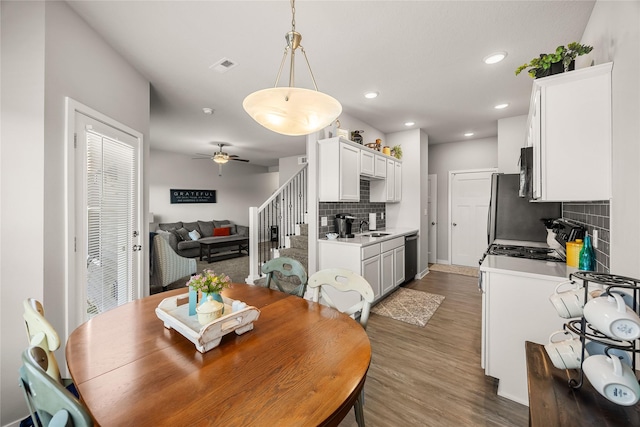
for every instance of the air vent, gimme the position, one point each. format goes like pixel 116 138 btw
pixel 302 160
pixel 223 65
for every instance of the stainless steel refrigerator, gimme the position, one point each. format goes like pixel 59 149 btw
pixel 515 218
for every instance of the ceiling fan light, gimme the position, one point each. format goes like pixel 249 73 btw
pixel 292 111
pixel 220 158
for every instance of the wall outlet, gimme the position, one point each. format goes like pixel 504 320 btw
pixel 323 221
pixel 382 215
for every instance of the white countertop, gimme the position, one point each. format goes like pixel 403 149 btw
pixel 526 267
pixel 361 239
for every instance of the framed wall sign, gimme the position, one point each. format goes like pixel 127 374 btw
pixel 192 196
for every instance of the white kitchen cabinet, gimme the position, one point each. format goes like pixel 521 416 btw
pixel 569 127
pixel 388 276
pixel 515 309
pixel 389 189
pixel 367 163
pixel 381 264
pixel 371 272
pixel 372 165
pixel 380 166
pixel 343 156
pixel 398 265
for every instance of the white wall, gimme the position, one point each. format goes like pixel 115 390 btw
pixel 370 133
pixel 614 32
pixel 406 214
pixel 48 53
pixel 288 167
pixel 241 186
pixel 511 138
pixel 464 155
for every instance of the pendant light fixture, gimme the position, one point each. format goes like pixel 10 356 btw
pixel 290 110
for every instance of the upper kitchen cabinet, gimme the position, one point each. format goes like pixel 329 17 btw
pixel 390 189
pixel 341 156
pixel 569 127
pixel 372 165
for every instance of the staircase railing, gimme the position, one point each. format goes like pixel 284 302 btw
pixel 271 224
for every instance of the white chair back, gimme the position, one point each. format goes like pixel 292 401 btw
pixel 42 334
pixel 343 280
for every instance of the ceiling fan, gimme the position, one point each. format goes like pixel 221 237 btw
pixel 221 157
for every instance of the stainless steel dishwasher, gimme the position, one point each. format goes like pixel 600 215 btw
pixel 410 257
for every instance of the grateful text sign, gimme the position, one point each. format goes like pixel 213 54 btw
pixel 193 196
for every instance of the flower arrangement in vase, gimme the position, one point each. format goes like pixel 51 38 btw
pixel 209 283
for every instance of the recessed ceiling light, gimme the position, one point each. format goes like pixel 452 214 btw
pixel 207 110
pixel 468 134
pixel 371 95
pixel 494 57
pixel 501 106
pixel 409 123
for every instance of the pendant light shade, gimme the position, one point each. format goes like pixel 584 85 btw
pixel 290 110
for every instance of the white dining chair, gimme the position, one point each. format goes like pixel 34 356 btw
pixel 344 280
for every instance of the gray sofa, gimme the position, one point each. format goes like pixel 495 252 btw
pixel 184 245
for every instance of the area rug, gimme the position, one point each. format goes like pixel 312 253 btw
pixel 455 269
pixel 409 306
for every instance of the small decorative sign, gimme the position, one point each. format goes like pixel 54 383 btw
pixel 192 196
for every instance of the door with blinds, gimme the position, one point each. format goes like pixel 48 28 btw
pixel 107 219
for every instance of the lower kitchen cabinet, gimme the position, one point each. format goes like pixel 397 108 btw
pixel 371 271
pixel 381 264
pixel 515 309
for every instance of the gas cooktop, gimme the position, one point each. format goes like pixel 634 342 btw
pixel 528 252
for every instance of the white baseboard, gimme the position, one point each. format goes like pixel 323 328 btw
pixel 422 273
pixel 443 261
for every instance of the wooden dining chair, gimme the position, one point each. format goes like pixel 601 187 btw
pixel 344 280
pixel 50 404
pixel 286 267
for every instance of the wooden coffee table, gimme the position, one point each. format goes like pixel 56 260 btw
pixel 208 243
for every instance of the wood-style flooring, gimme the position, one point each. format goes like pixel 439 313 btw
pixel 431 376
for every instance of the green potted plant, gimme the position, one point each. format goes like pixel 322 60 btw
pixel 396 152
pixel 557 62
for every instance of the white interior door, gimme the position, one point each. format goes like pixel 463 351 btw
pixel 470 193
pixel 106 219
pixel 432 217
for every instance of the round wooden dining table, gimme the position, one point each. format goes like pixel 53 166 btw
pixel 302 364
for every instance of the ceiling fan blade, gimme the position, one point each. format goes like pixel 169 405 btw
pixel 240 160
pixel 201 158
pixel 208 156
pixel 233 155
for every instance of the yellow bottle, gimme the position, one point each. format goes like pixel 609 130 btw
pixel 573 253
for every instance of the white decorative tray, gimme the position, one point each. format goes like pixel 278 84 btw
pixel 174 312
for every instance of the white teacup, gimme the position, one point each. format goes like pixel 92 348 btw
pixel 595 347
pixel 569 303
pixel 566 353
pixel 611 316
pixel 612 379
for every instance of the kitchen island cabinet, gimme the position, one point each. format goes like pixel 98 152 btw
pixel 515 309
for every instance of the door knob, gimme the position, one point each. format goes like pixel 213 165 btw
pixel 454 224
pixel 433 223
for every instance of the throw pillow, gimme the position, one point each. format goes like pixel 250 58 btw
pixel 231 227
pixel 164 234
pixel 222 231
pixel 206 227
pixel 184 233
pixel 175 233
pixel 194 235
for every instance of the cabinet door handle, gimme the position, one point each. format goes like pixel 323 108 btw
pixel 433 223
pixel 454 224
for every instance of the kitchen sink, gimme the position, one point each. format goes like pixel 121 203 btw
pixel 375 234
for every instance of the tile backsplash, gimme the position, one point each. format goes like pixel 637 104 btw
pixel 360 210
pixel 594 216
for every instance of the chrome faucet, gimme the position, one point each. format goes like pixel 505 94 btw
pixel 362 223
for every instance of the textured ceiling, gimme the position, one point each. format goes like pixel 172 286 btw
pixel 424 57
